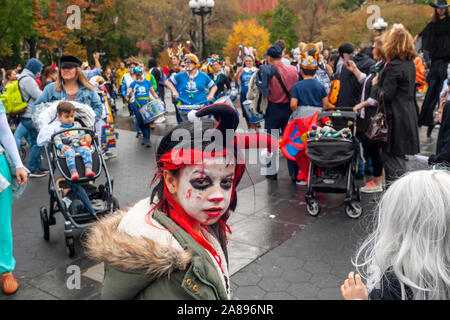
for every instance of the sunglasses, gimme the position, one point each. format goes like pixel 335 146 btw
pixel 189 62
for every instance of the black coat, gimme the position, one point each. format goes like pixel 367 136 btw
pixel 351 89
pixel 389 288
pixel 397 83
pixel 443 143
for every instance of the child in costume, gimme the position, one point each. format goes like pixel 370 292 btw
pixel 173 245
pixel 71 142
pixel 308 97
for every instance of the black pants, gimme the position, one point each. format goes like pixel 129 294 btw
pixel 437 76
pixel 373 150
pixel 394 166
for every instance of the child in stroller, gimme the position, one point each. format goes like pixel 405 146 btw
pixel 74 141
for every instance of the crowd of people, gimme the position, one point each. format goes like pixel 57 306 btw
pixel 190 204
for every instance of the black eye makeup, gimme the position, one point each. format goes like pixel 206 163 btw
pixel 201 183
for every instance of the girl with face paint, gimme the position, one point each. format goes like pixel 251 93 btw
pixel 173 245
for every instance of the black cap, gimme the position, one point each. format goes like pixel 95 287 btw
pixel 274 52
pixel 69 61
pixel 346 48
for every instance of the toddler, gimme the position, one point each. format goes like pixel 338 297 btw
pixel 71 142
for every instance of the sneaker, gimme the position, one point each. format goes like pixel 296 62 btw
pixel 89 172
pixel 74 176
pixel 138 135
pixel 38 174
pixel 301 182
pixel 371 187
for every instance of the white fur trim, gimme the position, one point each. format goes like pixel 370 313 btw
pixel 134 224
pixel 265 154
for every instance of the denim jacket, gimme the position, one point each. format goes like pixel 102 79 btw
pixel 84 95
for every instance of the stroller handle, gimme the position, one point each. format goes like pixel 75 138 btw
pixel 338 109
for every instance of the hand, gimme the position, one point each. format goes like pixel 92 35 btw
pixel 108 119
pixel 375 80
pixel 175 94
pixel 351 65
pixel 96 55
pixel 357 107
pixel 210 97
pixel 438 118
pixel 22 175
pixel 353 288
pixel 65 148
pixel 88 139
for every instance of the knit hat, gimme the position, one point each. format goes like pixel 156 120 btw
pixel 34 65
pixel 309 63
pixel 346 48
pixel 274 52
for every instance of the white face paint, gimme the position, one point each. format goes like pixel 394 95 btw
pixel 204 191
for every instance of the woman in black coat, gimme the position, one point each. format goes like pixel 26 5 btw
pixel 397 84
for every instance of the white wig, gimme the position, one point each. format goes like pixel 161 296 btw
pixel 411 236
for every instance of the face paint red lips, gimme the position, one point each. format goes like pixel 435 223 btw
pixel 213 212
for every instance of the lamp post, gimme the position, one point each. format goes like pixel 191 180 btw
pixel 380 25
pixel 202 8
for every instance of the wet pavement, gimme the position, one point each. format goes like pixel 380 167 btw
pixel 277 250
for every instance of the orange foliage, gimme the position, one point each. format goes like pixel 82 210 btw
pixel 247 33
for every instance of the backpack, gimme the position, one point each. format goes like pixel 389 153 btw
pixel 12 98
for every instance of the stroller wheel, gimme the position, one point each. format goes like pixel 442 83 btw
pixel 353 209
pixel 313 207
pixel 45 223
pixel 70 246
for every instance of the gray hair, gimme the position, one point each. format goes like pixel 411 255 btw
pixel 411 236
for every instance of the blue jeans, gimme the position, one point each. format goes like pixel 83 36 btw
pixel 20 132
pixel 145 128
pixel 133 110
pixel 34 163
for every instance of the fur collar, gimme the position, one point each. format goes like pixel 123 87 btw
pixel 117 241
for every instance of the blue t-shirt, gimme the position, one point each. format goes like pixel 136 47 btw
pixel 192 91
pixel 309 92
pixel 142 91
pixel 245 80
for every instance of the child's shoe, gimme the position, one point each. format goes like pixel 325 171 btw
pixel 89 172
pixel 74 175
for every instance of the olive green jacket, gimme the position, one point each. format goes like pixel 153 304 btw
pixel 162 265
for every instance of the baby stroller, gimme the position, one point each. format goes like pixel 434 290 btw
pixel 334 163
pixel 80 202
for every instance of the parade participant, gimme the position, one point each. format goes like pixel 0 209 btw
pixel 50 75
pixel 406 256
pixel 127 79
pixel 220 79
pixel 31 93
pixel 243 76
pixel 280 86
pixel 442 155
pixel 366 110
pixel 71 142
pixel 71 85
pixel 396 86
pixel 192 85
pixel 141 89
pixel 120 73
pixel 173 245
pixel 308 97
pixel 436 40
pixel 7 261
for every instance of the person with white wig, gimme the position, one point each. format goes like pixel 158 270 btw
pixel 407 256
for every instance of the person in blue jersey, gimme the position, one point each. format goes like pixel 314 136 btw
pixel 192 86
pixel 141 89
pixel 243 76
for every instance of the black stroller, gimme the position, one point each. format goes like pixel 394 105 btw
pixel 334 163
pixel 72 198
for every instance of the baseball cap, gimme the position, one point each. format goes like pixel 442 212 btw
pixel 274 52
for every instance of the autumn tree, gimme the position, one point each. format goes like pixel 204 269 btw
pixel 247 33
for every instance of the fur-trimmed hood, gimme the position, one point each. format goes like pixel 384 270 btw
pixel 125 241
